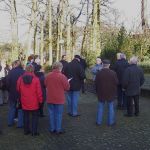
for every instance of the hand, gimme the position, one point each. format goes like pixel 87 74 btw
pixel 69 79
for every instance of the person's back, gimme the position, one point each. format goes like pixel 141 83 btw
pixel 56 86
pixel 133 80
pixel 76 72
pixel 106 84
pixel 11 82
pixel 30 91
pixel 120 67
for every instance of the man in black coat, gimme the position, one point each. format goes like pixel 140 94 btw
pixel 75 73
pixel 11 82
pixel 133 79
pixel 119 67
pixel 64 62
pixel 84 66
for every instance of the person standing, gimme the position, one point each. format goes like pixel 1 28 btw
pixel 56 84
pixel 11 83
pixel 40 74
pixel 119 67
pixel 106 88
pixel 75 73
pixel 64 62
pixel 84 66
pixel 97 67
pixel 28 85
pixel 133 79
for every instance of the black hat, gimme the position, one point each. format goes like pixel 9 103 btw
pixel 77 56
pixel 106 61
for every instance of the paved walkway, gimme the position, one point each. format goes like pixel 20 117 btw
pixel 82 133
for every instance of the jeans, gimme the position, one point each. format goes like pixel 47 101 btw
pixel 20 118
pixel 130 100
pixel 111 113
pixel 72 102
pixel 11 113
pixel 55 117
pixel 27 114
pixel 121 97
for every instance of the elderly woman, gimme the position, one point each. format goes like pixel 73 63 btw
pixel 30 91
pixel 56 85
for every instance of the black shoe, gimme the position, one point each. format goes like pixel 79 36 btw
pixel 136 114
pixel 27 133
pixel 60 132
pixel 69 114
pixel 76 115
pixel 35 134
pixel 127 115
pixel 112 125
pixel 98 124
pixel 52 132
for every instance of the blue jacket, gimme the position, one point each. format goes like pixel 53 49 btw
pixel 11 82
pixel 95 70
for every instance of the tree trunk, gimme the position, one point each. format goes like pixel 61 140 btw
pixel 60 41
pixel 14 29
pixel 50 32
pixel 42 41
pixel 96 28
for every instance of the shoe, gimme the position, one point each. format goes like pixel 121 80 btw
pixel 127 115
pixel 35 134
pixel 69 114
pixel 60 132
pixel 112 125
pixel 52 132
pixel 97 124
pixel 136 114
pixel 76 115
pixel 27 133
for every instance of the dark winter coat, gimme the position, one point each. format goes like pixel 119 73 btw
pixel 133 79
pixel 106 85
pixel 64 63
pixel 11 82
pixel 41 77
pixel 119 68
pixel 75 71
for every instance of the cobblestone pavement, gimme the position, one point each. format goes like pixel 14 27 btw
pixel 82 133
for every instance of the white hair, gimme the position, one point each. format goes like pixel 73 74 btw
pixel 134 60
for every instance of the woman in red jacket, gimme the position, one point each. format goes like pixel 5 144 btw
pixel 30 91
pixel 56 85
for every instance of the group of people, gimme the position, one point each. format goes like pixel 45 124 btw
pixel 123 80
pixel 30 88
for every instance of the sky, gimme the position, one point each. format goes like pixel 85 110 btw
pixel 129 15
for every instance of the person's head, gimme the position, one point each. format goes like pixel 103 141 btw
pixel 16 63
pixel 133 60
pixel 30 68
pixel 122 56
pixel 30 59
pixel 118 56
pixel 64 57
pixel 77 57
pixel 57 65
pixel 37 61
pixel 98 61
pixel 106 63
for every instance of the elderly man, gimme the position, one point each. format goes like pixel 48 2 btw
pixel 97 67
pixel 119 67
pixel 106 88
pixel 133 79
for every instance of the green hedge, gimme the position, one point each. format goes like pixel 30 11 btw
pixel 145 66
